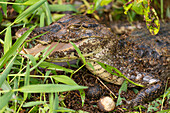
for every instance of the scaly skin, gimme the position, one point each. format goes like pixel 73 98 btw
pixel 141 57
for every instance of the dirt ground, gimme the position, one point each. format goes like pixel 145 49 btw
pixel 84 77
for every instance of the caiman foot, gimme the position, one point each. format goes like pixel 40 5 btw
pixel 147 94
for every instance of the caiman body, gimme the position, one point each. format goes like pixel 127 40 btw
pixel 141 57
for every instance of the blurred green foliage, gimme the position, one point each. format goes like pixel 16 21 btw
pixel 17 76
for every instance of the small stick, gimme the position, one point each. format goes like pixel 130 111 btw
pixel 106 87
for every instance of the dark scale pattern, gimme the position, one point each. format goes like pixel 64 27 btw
pixel 70 27
pixel 148 94
pixel 144 59
pixel 140 57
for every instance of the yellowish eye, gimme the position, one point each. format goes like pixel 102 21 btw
pixel 75 26
pixel 90 25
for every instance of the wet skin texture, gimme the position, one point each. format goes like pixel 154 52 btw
pixel 141 57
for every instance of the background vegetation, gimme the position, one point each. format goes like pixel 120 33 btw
pixel 24 88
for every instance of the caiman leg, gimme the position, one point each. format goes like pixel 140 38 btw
pixel 148 94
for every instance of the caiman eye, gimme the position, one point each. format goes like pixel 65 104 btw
pixel 90 25
pixel 75 26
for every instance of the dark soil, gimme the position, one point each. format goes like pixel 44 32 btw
pixel 85 78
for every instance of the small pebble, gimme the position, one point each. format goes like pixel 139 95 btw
pixel 106 104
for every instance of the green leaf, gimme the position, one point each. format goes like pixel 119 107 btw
pixel 97 3
pixel 135 90
pixel 31 58
pixel 62 109
pixel 33 103
pixel 164 111
pixel 67 80
pixel 30 2
pixel 29 11
pixel 90 65
pixel 13 49
pixel 141 7
pixel 167 92
pixel 44 57
pixel 8 40
pixel 5 98
pixel 79 52
pixel 127 6
pixel 54 67
pixel 59 8
pixel 46 75
pixel 51 101
pixel 138 7
pixel 6 86
pixel 49 88
pixel 82 94
pixel 56 103
pixel 1 17
pixel 47 12
pixel 152 20
pixel 64 79
pixel 111 70
pixel 6 71
pixel 92 8
pixel 27 79
pixel 122 88
pixel 42 18
pixel 4 7
pixel 105 2
pixel 19 8
pixel 56 16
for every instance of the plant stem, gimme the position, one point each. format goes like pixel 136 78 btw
pixel 162 10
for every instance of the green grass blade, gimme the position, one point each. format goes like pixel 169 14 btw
pixel 1 41
pixel 49 88
pixel 31 58
pixel 67 80
pixel 4 7
pixel 66 110
pixel 54 67
pixel 27 79
pixel 1 17
pixel 51 101
pixel 42 18
pixel 30 2
pixel 79 52
pixel 6 86
pixel 8 40
pixel 64 79
pixel 18 6
pixel 56 103
pixel 110 69
pixel 14 48
pixel 48 53
pixel 123 88
pixel 5 98
pixel 33 103
pixel 68 7
pixel 6 71
pixel 47 12
pixel 29 11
